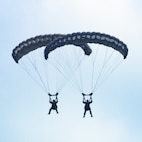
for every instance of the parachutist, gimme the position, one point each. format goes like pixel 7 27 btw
pixel 53 103
pixel 87 104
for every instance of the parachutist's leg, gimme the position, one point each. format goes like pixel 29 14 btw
pixel 50 110
pixel 84 113
pixel 57 111
pixel 91 113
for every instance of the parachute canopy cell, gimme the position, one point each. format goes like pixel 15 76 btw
pixel 81 39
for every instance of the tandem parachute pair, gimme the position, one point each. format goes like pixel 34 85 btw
pixel 85 59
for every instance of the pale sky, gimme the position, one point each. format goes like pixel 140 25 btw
pixel 117 104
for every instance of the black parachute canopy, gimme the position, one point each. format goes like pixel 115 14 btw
pixel 81 39
pixel 32 44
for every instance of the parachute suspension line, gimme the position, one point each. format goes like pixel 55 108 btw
pixel 33 63
pixel 106 61
pixel 113 65
pixel 94 61
pixel 61 87
pixel 56 81
pixel 42 82
pixel 46 75
pixel 78 64
pixel 101 71
pixel 24 67
pixel 60 68
pixel 58 88
pixel 110 72
pixel 61 72
pixel 79 59
pixel 81 80
pixel 78 87
pixel 44 65
pixel 53 64
pixel 64 72
pixel 106 72
pixel 39 75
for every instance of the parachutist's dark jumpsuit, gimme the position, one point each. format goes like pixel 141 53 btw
pixel 54 105
pixel 87 106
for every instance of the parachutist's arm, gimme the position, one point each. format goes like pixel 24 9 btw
pixel 83 99
pixel 91 99
pixel 90 94
pixel 56 99
pixel 50 100
pixel 49 97
pixel 83 94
